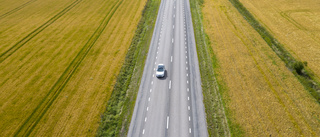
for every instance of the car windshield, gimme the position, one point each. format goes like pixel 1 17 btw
pixel 160 68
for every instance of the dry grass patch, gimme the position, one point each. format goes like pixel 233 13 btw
pixel 263 96
pixel 29 74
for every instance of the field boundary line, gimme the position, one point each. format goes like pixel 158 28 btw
pixel 35 32
pixel 29 124
pixel 16 9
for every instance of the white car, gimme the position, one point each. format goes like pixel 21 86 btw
pixel 160 71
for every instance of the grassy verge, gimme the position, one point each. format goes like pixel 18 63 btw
pixel 219 117
pixel 116 119
pixel 298 68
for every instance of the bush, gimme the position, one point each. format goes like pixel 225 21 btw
pixel 298 66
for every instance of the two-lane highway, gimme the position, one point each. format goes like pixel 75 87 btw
pixel 171 106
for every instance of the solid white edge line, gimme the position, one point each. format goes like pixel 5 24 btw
pixel 167 122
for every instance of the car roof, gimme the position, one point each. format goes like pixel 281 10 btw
pixel 160 65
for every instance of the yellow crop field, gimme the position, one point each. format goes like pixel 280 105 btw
pixel 263 96
pixel 295 23
pixel 59 60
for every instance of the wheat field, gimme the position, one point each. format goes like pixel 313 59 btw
pixel 59 61
pixel 263 96
pixel 295 23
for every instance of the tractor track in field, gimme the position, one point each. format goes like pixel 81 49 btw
pixel 26 39
pixel 31 122
pixel 16 9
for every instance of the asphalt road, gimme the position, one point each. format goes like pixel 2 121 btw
pixel 171 106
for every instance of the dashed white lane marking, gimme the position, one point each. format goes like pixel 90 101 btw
pixel 157 52
pixel 145 119
pixel 171 58
pixel 189 118
pixel 186 68
pixel 174 7
pixel 151 82
pixel 186 52
pixel 155 62
pixel 187 82
pixel 143 131
pixel 172 40
pixel 154 69
pixel 147 108
pixel 188 98
pixel 150 90
pixel 174 16
pixel 170 84
pixel 167 122
pixel 185 43
pixel 158 47
pixel 153 75
pixel 159 42
pixel 188 89
pixel 156 57
pixel 149 99
pixel 173 26
pixel 187 75
pixel 190 130
pixel 188 107
pixel 186 56
pixel 186 62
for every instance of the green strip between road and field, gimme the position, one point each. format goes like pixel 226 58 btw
pixel 115 121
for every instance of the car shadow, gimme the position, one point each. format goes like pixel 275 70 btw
pixel 165 76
